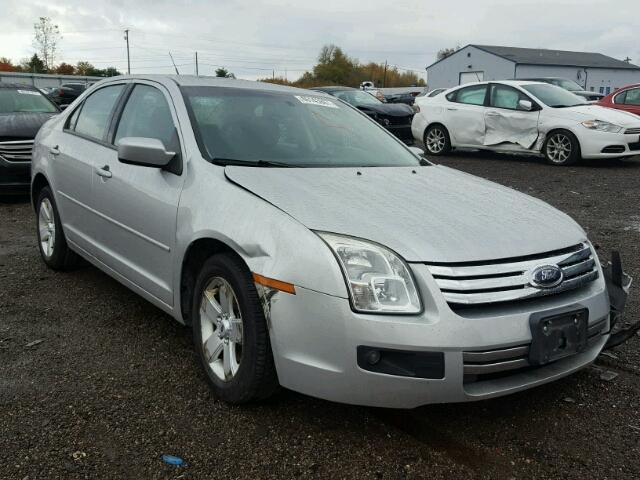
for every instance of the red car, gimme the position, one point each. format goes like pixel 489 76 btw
pixel 626 98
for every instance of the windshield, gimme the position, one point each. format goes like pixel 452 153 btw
pixel 14 100
pixel 356 97
pixel 553 96
pixel 567 85
pixel 238 125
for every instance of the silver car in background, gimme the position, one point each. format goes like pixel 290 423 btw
pixel 309 248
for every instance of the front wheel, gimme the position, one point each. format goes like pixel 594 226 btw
pixel 230 332
pixel 561 148
pixel 436 140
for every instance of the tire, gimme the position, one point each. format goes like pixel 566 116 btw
pixel 52 244
pixel 437 141
pixel 561 148
pixel 237 339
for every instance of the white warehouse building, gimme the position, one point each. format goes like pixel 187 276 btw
pixel 593 71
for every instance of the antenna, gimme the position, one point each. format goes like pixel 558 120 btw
pixel 174 64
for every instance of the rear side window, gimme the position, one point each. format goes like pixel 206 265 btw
pixel 147 114
pixel 94 117
pixel 470 95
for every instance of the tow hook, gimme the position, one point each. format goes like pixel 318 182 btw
pixel 618 284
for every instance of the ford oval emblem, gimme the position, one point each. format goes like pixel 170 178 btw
pixel 546 276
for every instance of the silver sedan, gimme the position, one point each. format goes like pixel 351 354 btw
pixel 310 249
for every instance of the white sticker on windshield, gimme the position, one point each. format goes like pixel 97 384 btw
pixel 318 101
pixel 28 92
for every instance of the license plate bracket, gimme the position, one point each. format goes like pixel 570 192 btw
pixel 558 335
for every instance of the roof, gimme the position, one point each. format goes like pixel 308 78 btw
pixel 23 86
pixel 204 81
pixel 539 56
pixel 332 89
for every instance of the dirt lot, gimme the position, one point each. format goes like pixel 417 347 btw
pixel 115 383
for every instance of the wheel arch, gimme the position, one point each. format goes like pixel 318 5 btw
pixel 37 184
pixel 196 253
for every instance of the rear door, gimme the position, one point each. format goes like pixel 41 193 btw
pixel 74 152
pixel 506 122
pixel 137 206
pixel 464 115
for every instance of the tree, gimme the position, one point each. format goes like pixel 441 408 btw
pixel 45 40
pixel 445 52
pixel 6 65
pixel 33 65
pixel 65 69
pixel 85 68
pixel 110 72
pixel 224 73
pixel 334 67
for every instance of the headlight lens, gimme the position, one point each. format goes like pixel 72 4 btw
pixel 602 126
pixel 379 281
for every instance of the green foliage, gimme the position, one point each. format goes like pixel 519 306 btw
pixel 224 73
pixel 334 67
pixel 33 65
pixel 445 52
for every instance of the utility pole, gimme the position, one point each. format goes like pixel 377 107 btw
pixel 174 64
pixel 197 64
pixel 384 78
pixel 126 37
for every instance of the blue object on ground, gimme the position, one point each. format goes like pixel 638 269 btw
pixel 172 460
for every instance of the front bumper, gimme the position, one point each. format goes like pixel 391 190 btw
pixel 608 145
pixel 15 177
pixel 315 339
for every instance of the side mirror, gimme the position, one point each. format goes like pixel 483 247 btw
pixel 145 152
pixel 525 105
pixel 417 150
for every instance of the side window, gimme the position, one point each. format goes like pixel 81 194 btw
pixel 472 95
pixel 506 97
pixel 71 123
pixel 93 119
pixel 620 98
pixel 632 97
pixel 147 114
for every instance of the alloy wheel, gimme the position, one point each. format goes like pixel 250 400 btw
pixel 221 329
pixel 46 228
pixel 559 148
pixel 435 140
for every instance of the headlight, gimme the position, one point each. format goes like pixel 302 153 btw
pixel 378 280
pixel 602 126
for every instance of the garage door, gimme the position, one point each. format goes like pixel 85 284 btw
pixel 468 77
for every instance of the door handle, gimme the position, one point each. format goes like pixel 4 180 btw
pixel 493 114
pixel 451 109
pixel 104 172
pixel 54 150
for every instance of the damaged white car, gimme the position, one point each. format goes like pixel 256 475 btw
pixel 525 117
pixel 308 247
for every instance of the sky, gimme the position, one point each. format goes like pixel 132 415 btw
pixel 256 39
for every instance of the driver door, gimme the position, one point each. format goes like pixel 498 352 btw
pixel 507 122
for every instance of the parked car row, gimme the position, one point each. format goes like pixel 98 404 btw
pixel 23 110
pixel 395 117
pixel 521 116
pixel 393 287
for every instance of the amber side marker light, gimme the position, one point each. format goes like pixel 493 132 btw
pixel 273 283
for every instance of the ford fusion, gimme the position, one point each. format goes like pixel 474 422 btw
pixel 309 248
pixel 525 117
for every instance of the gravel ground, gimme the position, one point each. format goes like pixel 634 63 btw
pixel 114 383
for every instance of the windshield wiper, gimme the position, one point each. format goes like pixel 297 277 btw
pixel 253 163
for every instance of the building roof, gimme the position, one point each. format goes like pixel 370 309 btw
pixel 539 56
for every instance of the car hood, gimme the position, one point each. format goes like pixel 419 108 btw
pixel 22 125
pixel 436 214
pixel 389 109
pixel 596 112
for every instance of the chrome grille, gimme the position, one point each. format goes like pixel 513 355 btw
pixel 511 280
pixel 632 131
pixel 16 151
